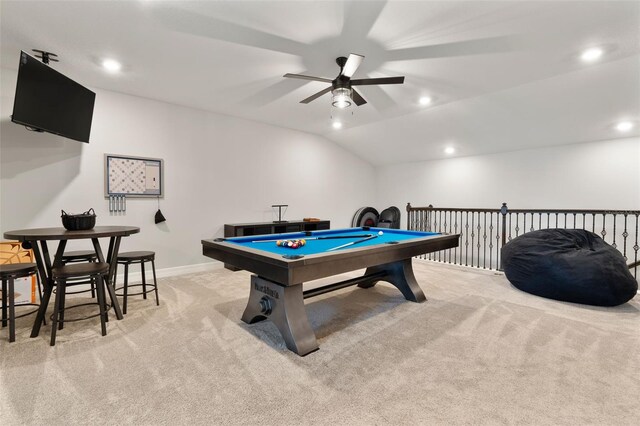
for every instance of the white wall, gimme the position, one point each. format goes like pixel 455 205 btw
pixel 597 175
pixel 218 169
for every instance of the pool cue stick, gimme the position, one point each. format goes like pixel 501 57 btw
pixel 316 238
pixel 370 237
pixel 334 237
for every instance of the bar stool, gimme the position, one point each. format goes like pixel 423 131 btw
pixel 79 256
pixel 66 275
pixel 8 274
pixel 132 258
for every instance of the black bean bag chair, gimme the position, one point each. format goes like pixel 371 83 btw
pixel 572 265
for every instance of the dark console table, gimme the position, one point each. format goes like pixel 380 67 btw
pixel 262 228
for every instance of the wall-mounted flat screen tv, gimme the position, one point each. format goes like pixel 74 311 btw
pixel 46 100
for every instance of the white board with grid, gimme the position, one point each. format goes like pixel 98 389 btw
pixel 133 176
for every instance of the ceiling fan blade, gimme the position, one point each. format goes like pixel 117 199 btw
pixel 481 46
pixel 352 64
pixel 359 100
pixel 384 80
pixel 316 96
pixel 307 77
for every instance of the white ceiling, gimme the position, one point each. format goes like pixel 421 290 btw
pixel 503 75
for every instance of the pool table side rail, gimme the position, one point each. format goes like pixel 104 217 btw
pixel 291 272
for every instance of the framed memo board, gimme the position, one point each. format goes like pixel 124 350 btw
pixel 133 176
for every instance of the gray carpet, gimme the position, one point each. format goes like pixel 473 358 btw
pixel 477 352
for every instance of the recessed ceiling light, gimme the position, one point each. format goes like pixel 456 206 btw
pixel 624 126
pixel 449 150
pixel 337 125
pixel 111 65
pixel 592 54
pixel 425 100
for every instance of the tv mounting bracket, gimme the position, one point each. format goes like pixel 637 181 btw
pixel 46 56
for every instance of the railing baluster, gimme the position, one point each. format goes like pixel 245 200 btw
pixel 613 243
pixel 478 244
pixel 635 249
pixel 625 234
pixel 455 231
pixel 440 230
pixel 466 239
pixel 490 240
pixel 484 243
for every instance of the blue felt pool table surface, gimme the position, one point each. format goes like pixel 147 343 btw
pixel 316 246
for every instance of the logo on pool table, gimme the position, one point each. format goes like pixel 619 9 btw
pixel 266 290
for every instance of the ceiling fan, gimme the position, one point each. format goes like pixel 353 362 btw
pixel 342 92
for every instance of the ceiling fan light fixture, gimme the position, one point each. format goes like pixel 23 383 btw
pixel 341 97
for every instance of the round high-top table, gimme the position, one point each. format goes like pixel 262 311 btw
pixel 37 238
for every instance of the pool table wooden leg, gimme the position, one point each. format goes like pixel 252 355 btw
pixel 400 274
pixel 284 306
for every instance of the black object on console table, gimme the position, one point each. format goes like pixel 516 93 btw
pixel 263 228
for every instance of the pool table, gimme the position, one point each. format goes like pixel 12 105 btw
pixel 279 272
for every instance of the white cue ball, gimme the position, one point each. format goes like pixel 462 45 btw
pixel 380 233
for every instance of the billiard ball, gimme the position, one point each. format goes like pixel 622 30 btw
pixel 380 233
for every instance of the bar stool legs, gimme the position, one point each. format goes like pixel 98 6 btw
pixel 7 293
pixel 102 304
pixel 67 275
pixel 138 257
pixel 126 287
pixel 155 282
pixel 8 274
pixel 4 303
pixel 56 310
pixel 12 311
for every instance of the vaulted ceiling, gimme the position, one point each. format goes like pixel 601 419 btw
pixel 502 76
